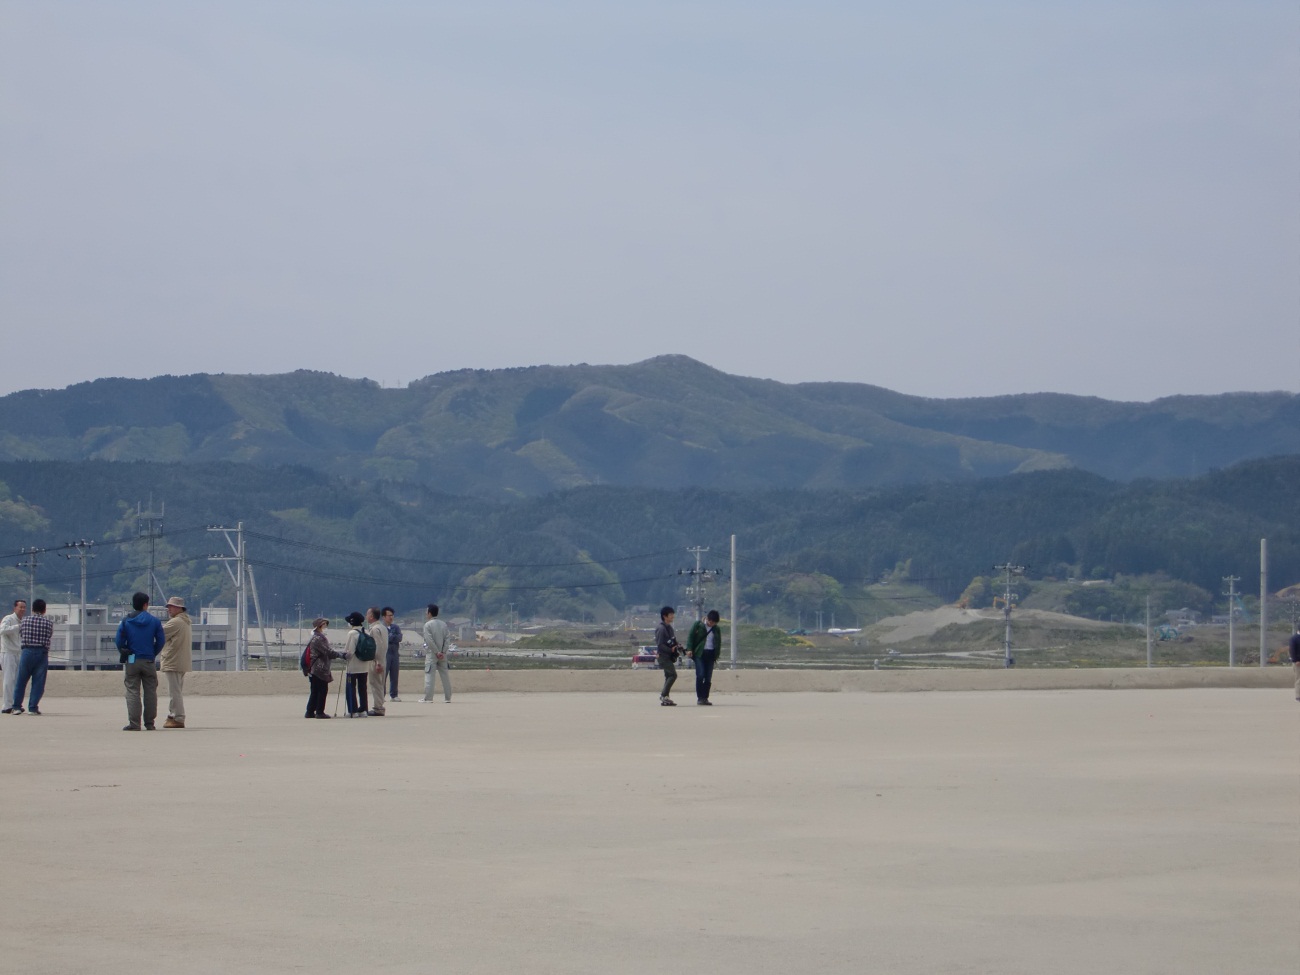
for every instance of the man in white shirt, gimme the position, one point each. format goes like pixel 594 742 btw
pixel 379 633
pixel 11 651
pixel 436 639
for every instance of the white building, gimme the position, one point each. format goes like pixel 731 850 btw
pixel 213 645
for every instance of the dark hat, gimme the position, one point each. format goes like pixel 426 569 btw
pixel 354 618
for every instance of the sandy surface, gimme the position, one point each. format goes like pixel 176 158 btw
pixel 928 622
pixel 745 681
pixel 999 832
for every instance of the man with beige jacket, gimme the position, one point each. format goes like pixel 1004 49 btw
pixel 176 659
pixel 379 633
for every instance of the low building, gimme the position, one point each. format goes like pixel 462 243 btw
pixel 213 645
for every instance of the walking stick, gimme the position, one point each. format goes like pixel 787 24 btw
pixel 339 694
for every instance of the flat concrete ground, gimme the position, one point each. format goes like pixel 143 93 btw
pixel 1000 832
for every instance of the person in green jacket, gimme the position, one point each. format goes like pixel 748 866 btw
pixel 705 646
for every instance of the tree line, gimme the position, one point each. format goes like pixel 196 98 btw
pixel 330 543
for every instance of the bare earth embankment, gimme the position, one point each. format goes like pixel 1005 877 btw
pixel 1029 831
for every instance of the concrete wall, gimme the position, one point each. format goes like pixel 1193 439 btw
pixel 109 683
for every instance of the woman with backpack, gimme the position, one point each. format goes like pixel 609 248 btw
pixel 319 653
pixel 358 667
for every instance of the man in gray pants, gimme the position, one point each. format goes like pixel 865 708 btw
pixel 139 640
pixel 667 650
pixel 436 639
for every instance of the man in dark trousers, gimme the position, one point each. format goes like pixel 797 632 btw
pixel 393 660
pixel 1295 659
pixel 667 649
pixel 35 633
pixel 139 640
pixel 705 646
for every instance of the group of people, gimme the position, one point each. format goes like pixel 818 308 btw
pixel 703 645
pixel 148 646
pixel 25 655
pixel 367 663
pixel 145 644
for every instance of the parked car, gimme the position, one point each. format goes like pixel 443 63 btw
pixel 648 657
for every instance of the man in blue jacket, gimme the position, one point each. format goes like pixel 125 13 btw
pixel 139 641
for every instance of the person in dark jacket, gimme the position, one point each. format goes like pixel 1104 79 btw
pixel 139 640
pixel 1295 659
pixel 704 645
pixel 667 649
pixel 393 661
pixel 319 672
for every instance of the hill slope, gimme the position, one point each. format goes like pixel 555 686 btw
pixel 667 422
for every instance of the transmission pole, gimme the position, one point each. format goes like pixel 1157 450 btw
pixel 236 544
pixel 1148 629
pixel 1263 602
pixel 30 563
pixel 1231 582
pixel 735 623
pixel 82 553
pixel 1007 595
pixel 149 525
pixel 695 591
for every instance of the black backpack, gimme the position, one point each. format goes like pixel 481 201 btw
pixel 365 648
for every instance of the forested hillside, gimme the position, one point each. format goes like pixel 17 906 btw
pixel 668 422
pixel 334 544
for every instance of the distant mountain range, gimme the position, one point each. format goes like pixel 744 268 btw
pixel 668 422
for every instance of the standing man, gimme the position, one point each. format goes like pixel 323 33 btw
pixel 139 641
pixel 34 634
pixel 1295 659
pixel 176 659
pixel 436 639
pixel 704 645
pixel 11 649
pixel 667 649
pixel 394 658
pixel 379 633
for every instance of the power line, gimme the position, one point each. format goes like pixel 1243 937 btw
pixel 387 557
pixel 408 584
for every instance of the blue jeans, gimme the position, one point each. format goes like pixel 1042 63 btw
pixel 32 666
pixel 356 693
pixel 703 677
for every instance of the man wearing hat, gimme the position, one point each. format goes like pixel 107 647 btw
pixel 176 659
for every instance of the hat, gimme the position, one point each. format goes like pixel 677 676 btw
pixel 318 622
pixel 177 602
pixel 354 618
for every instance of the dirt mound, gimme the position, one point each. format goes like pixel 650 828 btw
pixel 926 623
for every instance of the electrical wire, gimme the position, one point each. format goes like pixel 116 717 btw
pixel 407 584
pixel 386 557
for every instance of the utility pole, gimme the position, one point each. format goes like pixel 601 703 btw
pixel 734 621
pixel 149 524
pixel 695 591
pixel 30 563
pixel 1263 602
pixel 1009 570
pixel 261 621
pixel 236 544
pixel 1231 582
pixel 1148 629
pixel 82 553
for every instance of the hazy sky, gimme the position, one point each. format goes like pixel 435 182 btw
pixel 943 198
